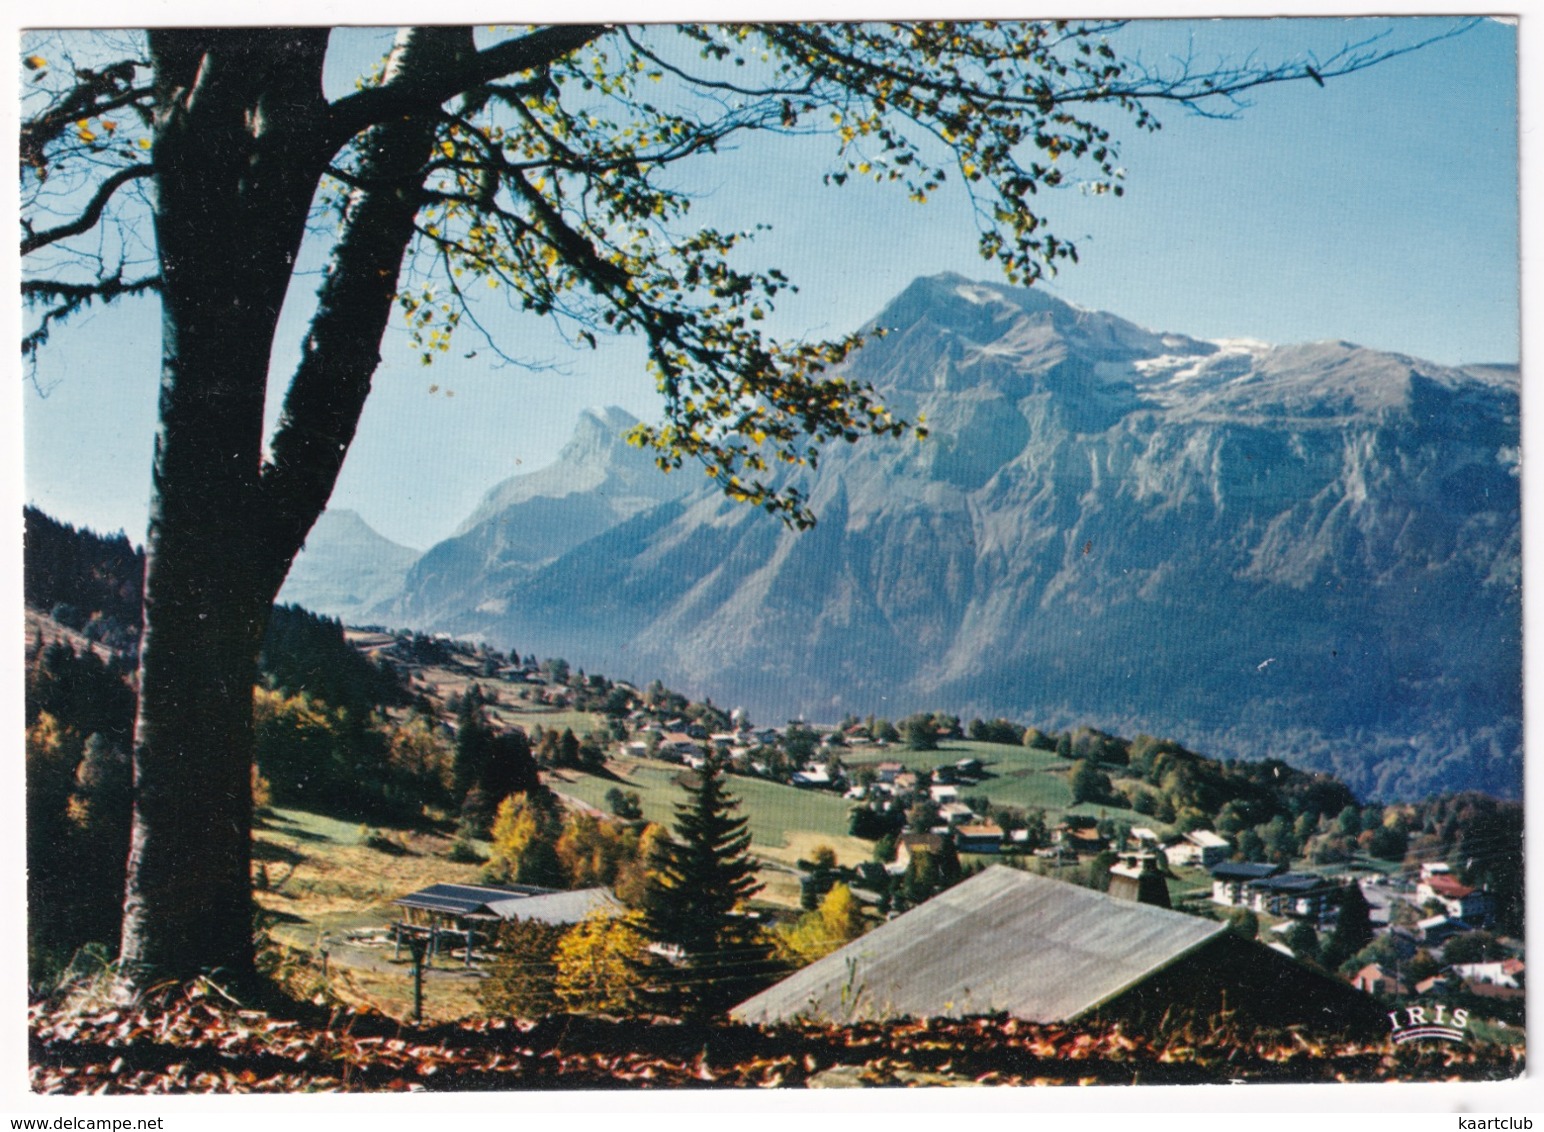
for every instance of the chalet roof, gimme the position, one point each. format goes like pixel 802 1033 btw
pixel 1244 870
pixel 564 907
pixel 1206 839
pixel 1444 885
pixel 1293 883
pixel 980 829
pixel 470 899
pixel 1004 940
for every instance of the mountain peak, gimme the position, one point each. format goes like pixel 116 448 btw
pixel 612 418
pixel 949 333
pixel 595 455
pixel 980 310
pixel 340 524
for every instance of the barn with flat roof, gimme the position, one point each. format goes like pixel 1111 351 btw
pixel 1010 942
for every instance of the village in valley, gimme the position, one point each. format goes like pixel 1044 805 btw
pixel 447 833
pixel 1366 903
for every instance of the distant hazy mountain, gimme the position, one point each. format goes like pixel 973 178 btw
pixel 346 568
pixel 1309 551
pixel 529 520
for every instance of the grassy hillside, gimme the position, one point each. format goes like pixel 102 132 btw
pixel 1019 776
pixel 330 886
pixel 785 821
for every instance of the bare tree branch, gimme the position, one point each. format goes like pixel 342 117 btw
pixel 89 215
pixel 70 298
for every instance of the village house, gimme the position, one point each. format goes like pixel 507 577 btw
pixel 969 769
pixel 1500 973
pixel 1373 979
pixel 943 794
pixel 677 745
pixel 1231 881
pixel 1437 930
pixel 1434 985
pixel 812 775
pixel 955 813
pixel 1461 901
pixel 888 770
pixel 1211 848
pixel 911 844
pixel 1299 896
pixel 979 837
pixel 1076 837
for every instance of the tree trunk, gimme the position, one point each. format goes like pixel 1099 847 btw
pixel 240 147
pixel 232 192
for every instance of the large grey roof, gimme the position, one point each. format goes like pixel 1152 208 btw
pixel 511 902
pixel 469 899
pixel 1004 940
pixel 562 907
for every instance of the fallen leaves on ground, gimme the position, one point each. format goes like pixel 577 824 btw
pixel 194 1042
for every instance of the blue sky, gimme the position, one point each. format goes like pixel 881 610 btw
pixel 1381 209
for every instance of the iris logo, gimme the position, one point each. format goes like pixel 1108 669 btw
pixel 1442 1026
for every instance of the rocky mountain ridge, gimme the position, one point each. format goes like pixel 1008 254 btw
pixel 1309 551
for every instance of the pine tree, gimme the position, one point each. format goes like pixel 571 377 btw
pixel 696 886
pixel 1353 928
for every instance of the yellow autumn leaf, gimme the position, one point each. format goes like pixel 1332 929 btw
pixel 34 62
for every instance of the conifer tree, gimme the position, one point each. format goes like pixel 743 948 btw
pixel 1353 928
pixel 696 887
